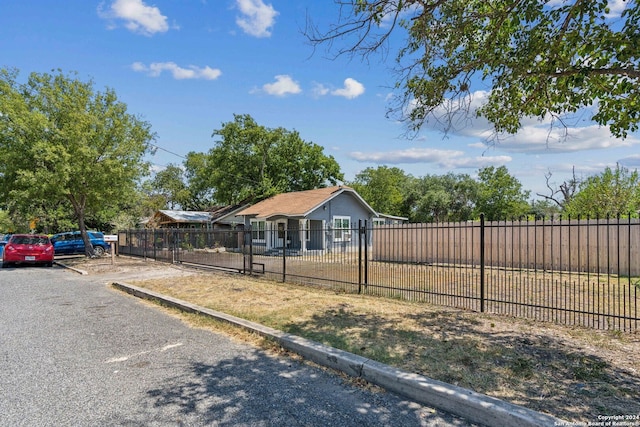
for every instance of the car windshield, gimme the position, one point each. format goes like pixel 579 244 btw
pixel 30 240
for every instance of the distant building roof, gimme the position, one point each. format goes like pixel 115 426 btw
pixel 393 217
pixel 219 213
pixel 183 216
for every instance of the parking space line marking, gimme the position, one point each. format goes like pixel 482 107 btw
pixel 127 357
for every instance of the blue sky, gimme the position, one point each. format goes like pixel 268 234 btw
pixel 186 66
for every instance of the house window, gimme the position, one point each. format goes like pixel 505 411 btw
pixel 341 228
pixel 258 230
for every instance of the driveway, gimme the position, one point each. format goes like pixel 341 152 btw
pixel 75 352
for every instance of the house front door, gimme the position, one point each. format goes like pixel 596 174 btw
pixel 280 234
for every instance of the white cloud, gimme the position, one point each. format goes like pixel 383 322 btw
pixel 138 17
pixel 458 116
pixel 616 7
pixel 179 73
pixel 535 136
pixel 352 89
pixel 631 162
pixel 475 162
pixel 319 90
pixel 284 85
pixel 155 168
pixel 449 159
pixel 586 170
pixel 542 139
pixel 257 18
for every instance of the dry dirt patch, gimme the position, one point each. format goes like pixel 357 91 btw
pixel 124 268
pixel 576 374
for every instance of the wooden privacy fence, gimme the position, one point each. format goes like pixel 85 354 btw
pixel 603 246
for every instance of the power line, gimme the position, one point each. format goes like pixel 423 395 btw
pixel 156 147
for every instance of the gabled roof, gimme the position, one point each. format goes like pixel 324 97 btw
pixel 299 203
pixel 220 213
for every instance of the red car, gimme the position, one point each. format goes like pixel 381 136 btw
pixel 28 249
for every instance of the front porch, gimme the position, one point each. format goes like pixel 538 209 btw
pixel 293 235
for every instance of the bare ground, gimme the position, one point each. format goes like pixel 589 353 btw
pixel 576 374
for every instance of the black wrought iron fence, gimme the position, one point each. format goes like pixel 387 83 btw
pixel 575 272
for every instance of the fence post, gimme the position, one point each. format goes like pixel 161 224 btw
pixel 284 252
pixel 250 237
pixel 176 245
pixel 482 290
pixel 146 243
pixel 366 253
pixel 360 234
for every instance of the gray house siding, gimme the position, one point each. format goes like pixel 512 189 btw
pixel 316 235
pixel 293 234
pixel 342 205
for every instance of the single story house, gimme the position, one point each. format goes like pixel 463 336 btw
pixel 320 219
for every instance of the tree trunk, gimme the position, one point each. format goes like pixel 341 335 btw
pixel 78 207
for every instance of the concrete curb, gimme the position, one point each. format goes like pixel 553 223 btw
pixel 75 270
pixel 475 407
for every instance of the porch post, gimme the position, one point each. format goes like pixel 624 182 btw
pixel 268 235
pixel 302 226
pixel 323 237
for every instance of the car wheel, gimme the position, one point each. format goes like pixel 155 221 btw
pixel 98 251
pixel 5 264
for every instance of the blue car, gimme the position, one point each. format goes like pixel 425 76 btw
pixel 71 243
pixel 4 238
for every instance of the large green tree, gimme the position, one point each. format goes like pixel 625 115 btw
pixel 609 194
pixel 199 181
pixel 252 162
pixel 61 141
pixel 6 224
pixel 435 198
pixel 383 188
pixel 169 184
pixel 540 59
pixel 500 195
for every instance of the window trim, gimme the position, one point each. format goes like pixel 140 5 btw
pixel 256 231
pixel 340 232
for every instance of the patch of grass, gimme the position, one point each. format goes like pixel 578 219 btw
pixel 572 373
pixel 588 369
pixel 522 367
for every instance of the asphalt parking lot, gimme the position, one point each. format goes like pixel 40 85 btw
pixel 76 352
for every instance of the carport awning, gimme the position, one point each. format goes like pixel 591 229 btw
pixel 182 217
